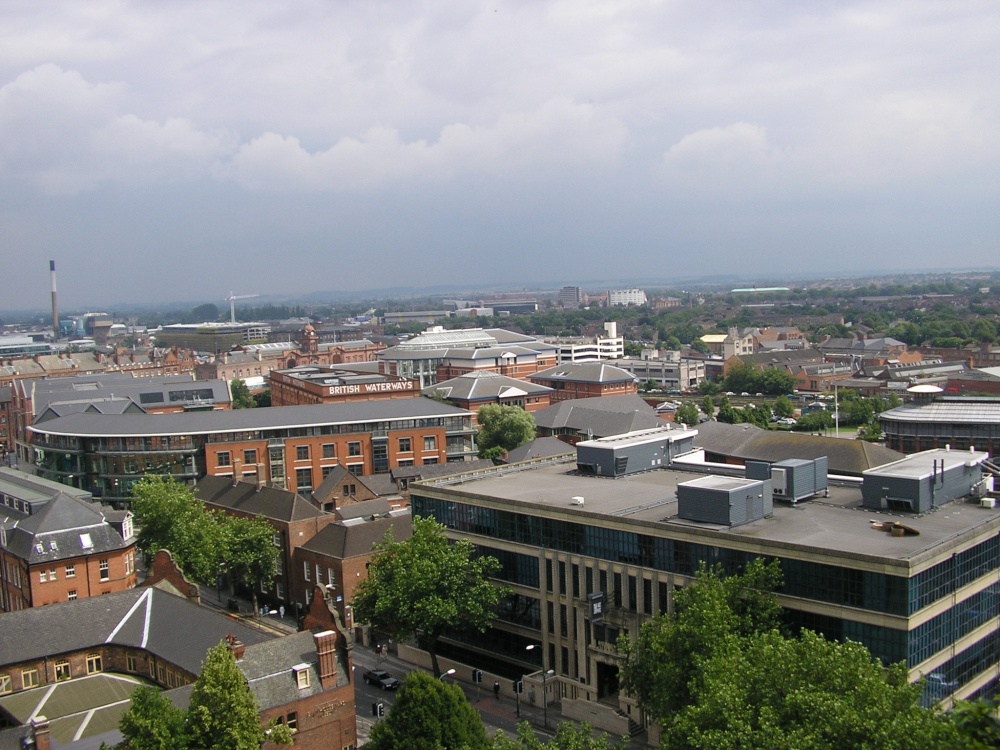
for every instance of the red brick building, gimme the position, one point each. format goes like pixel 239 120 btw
pixel 336 559
pixel 475 389
pixel 329 384
pixel 294 519
pixel 303 680
pixel 59 548
pixel 586 380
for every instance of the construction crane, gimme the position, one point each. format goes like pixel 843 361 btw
pixel 231 299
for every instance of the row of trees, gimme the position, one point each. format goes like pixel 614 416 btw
pixel 204 543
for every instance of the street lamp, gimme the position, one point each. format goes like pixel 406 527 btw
pixel 545 701
pixel 449 673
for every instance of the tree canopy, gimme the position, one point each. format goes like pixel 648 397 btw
pixel 425 586
pixel 719 673
pixel 687 413
pixel 503 428
pixel 568 736
pixel 169 516
pixel 429 714
pixel 241 395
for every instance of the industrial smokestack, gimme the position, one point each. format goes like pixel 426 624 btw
pixel 55 307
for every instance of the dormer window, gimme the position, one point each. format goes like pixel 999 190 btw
pixel 301 672
pixel 85 541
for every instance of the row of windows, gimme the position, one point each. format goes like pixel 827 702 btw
pixel 448 423
pixel 29 677
pixel 46 576
pixel 954 623
pixel 829 583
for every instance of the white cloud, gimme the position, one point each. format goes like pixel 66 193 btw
pixel 734 146
pixel 556 134
pixel 65 135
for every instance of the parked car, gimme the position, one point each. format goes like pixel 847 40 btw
pixel 788 421
pixel 381 678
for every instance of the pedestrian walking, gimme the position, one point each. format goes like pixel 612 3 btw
pixel 281 611
pixel 496 689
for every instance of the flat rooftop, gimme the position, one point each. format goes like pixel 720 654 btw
pixel 835 526
pixel 924 464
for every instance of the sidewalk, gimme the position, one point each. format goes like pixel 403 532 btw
pixel 272 623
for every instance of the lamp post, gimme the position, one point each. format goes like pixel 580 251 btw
pixel 545 697
pixel 449 673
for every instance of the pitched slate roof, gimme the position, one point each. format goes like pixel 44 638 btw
pixel 269 502
pixel 268 669
pixel 585 372
pixel 545 447
pixel 342 541
pixel 603 416
pixel 62 528
pixel 744 441
pixel 166 625
pixel 474 386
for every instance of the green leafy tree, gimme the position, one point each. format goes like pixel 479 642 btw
pixel 428 714
pixel 708 406
pixel 250 554
pixel 815 421
pixel 241 395
pixel 503 428
pixel 223 713
pixel 170 517
pixel 783 406
pixel 687 413
pixel 976 722
pixel 151 723
pixel 664 660
pixel 772 692
pixel 262 399
pixel 567 737
pixel 425 586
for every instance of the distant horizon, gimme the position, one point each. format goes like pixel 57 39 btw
pixel 718 284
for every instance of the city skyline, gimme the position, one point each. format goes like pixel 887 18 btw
pixel 170 153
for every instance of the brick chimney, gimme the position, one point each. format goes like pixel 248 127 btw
pixel 236 646
pixel 326 650
pixel 40 731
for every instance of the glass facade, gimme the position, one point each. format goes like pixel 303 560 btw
pixel 837 585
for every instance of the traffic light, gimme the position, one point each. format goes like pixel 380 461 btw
pixel 477 675
pixel 518 686
pixel 378 709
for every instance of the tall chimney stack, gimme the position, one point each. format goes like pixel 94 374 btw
pixel 55 308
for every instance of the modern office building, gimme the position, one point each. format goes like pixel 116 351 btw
pixel 291 447
pixel 613 526
pixel 626 297
pixel 608 345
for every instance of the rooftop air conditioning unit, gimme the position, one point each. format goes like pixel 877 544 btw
pixel 988 502
pixel 779 482
pixel 576 500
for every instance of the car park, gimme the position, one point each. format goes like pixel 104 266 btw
pixel 380 678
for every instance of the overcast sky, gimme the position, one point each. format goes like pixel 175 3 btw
pixel 181 150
